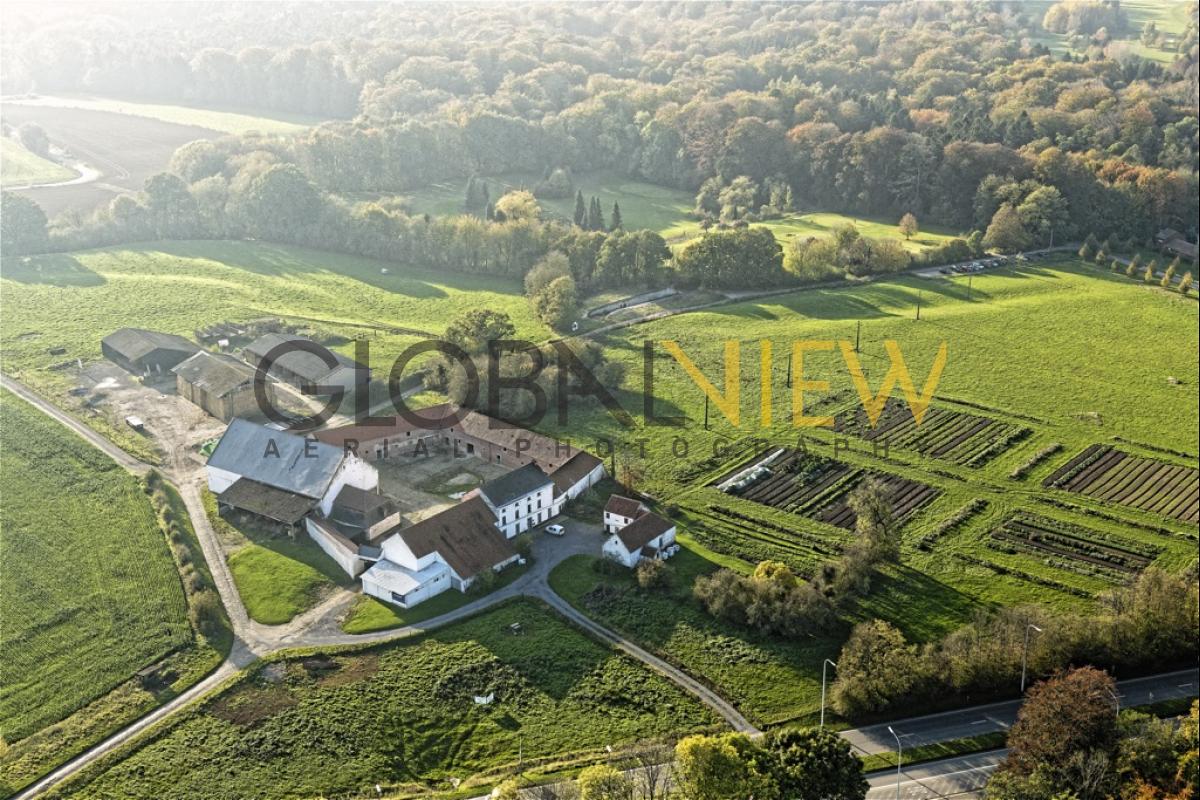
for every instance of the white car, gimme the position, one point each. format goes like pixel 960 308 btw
pixel 555 530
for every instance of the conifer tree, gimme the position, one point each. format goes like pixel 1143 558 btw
pixel 1185 283
pixel 580 209
pixel 615 221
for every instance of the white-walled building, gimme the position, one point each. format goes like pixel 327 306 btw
pixel 620 511
pixel 520 500
pixel 446 551
pixel 648 536
pixel 256 468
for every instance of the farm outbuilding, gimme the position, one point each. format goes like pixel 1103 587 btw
pixel 303 368
pixel 219 384
pixel 144 352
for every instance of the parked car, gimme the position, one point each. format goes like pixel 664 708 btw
pixel 555 530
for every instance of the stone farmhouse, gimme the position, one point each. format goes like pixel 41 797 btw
pixel 219 384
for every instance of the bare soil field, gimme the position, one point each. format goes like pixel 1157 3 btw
pixel 124 148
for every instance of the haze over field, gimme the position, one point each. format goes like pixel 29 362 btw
pixel 799 370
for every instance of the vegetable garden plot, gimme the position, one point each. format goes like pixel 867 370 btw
pixel 1115 476
pixel 819 488
pixel 1073 547
pixel 958 437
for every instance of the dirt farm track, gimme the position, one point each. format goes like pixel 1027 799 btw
pixel 125 149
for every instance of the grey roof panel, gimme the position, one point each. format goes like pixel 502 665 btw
pixel 283 460
pixel 135 343
pixel 514 485
pixel 214 373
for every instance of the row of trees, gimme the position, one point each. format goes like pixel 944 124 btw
pixel 1148 625
pixel 805 764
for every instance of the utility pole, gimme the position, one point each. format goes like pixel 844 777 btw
pixel 899 758
pixel 920 293
pixel 823 668
pixel 706 411
pixel 789 373
pixel 1025 653
pixel 857 335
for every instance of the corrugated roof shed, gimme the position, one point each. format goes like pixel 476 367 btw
pixel 137 343
pixel 266 501
pixel 308 366
pixel 283 460
pixel 215 373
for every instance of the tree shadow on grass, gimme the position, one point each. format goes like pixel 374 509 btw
pixel 284 261
pixel 57 269
pixel 921 606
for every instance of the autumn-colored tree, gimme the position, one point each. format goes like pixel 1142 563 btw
pixel 1070 713
pixel 908 225
pixel 1185 283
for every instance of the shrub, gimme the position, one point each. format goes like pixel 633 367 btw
pixel 653 574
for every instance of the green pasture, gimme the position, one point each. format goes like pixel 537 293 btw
pixel 20 167
pixel 403 716
pixel 221 120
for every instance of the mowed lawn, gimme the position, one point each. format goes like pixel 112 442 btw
pixel 20 167
pixel 73 300
pixel 221 120
pixel 90 592
pixel 403 716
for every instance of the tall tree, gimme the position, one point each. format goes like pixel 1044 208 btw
pixel 614 222
pixel 580 209
pixel 22 225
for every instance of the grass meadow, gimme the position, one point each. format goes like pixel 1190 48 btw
pixel 1061 349
pixel 402 716
pixel 661 209
pixel 221 120
pixel 71 301
pixel 20 167
pixel 91 596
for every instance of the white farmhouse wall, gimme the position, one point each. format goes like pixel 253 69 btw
pixel 219 480
pixel 396 551
pixel 615 550
pixel 355 472
pixel 526 512
pixel 348 560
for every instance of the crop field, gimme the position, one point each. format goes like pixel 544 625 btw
pixel 402 716
pixel 215 120
pixel 126 149
pixel 959 437
pixel 1115 476
pixel 91 594
pixel 1073 547
pixel 819 488
pixel 19 167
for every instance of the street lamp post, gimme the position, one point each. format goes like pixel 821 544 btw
pixel 1025 653
pixel 824 667
pixel 899 758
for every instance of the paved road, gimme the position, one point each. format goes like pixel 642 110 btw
pixel 961 778
pixel 976 720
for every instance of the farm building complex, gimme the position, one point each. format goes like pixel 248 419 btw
pixel 328 483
